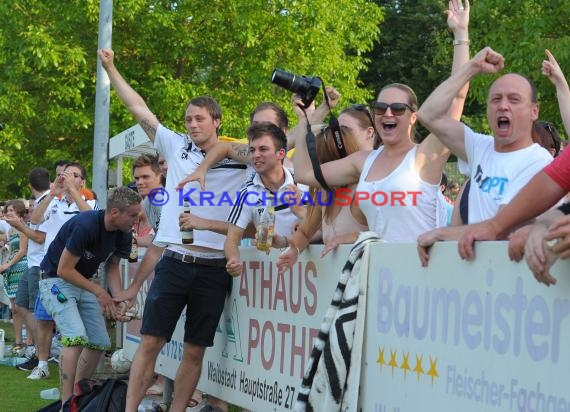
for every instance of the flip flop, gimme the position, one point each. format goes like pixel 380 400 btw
pixel 195 406
pixel 154 390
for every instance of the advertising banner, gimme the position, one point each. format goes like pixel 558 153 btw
pixel 482 335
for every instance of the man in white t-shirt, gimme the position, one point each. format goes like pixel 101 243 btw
pixel 39 184
pixel 501 164
pixel 192 276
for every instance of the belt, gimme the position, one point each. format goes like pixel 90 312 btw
pixel 219 263
pixel 44 275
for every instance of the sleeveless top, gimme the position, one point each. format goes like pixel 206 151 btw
pixel 342 224
pixel 396 214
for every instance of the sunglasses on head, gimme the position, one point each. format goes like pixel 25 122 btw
pixel 60 296
pixel 551 130
pixel 364 108
pixel 397 109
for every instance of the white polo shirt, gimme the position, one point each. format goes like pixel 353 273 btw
pixel 36 250
pixel 57 213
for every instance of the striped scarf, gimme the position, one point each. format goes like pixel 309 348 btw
pixel 329 384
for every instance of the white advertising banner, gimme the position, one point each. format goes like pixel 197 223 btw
pixel 266 332
pixel 464 336
pixel 455 336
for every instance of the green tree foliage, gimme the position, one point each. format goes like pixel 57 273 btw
pixel 169 51
pixel 521 30
pixel 415 47
pixel 173 50
pixel 407 50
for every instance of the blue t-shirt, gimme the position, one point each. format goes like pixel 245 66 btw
pixel 85 236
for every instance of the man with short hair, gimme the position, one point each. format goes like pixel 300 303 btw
pixel 267 148
pixel 501 164
pixel 148 178
pixel 75 302
pixel 192 276
pixel 65 199
pixel 39 184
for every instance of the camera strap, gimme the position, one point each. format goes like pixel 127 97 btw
pixel 335 128
pixel 313 155
pixel 312 146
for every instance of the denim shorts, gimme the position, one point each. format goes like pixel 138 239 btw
pixel 79 319
pixel 202 289
pixel 28 288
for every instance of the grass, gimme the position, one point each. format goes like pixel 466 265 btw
pixel 17 393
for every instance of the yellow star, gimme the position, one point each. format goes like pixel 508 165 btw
pixel 405 366
pixel 418 368
pixel 432 369
pixel 393 362
pixel 381 359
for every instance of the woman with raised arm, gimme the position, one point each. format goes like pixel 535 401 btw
pixel 401 177
pixel 334 213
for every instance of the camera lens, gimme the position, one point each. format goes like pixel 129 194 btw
pixel 305 86
pixel 283 79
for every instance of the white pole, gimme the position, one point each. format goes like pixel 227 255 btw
pixel 102 99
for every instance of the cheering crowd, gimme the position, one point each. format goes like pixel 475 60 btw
pixel 514 190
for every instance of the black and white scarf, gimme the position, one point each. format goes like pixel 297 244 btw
pixel 329 384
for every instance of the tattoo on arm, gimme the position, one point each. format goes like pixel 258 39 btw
pixel 148 128
pixel 241 152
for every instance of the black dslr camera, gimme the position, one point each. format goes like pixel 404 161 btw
pixel 305 86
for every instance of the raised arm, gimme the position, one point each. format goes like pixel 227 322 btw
pixel 434 151
pixel 130 98
pixel 57 189
pixel 551 69
pixel 340 172
pixel 434 113
pixel 315 116
pixel 18 224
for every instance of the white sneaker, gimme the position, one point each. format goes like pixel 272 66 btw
pixel 39 373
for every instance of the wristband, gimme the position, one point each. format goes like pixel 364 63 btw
pixel 461 42
pixel 292 247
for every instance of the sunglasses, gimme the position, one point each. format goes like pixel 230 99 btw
pixel 397 109
pixel 75 175
pixel 60 296
pixel 364 108
pixel 555 143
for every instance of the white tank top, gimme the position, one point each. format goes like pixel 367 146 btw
pixel 396 214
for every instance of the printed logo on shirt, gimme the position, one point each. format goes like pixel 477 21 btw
pixel 88 255
pixel 494 185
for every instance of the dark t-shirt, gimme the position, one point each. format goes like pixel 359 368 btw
pixel 85 236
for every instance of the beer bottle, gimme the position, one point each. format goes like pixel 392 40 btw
pixel 134 255
pixel 266 227
pixel 187 234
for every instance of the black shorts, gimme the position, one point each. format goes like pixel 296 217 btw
pixel 202 289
